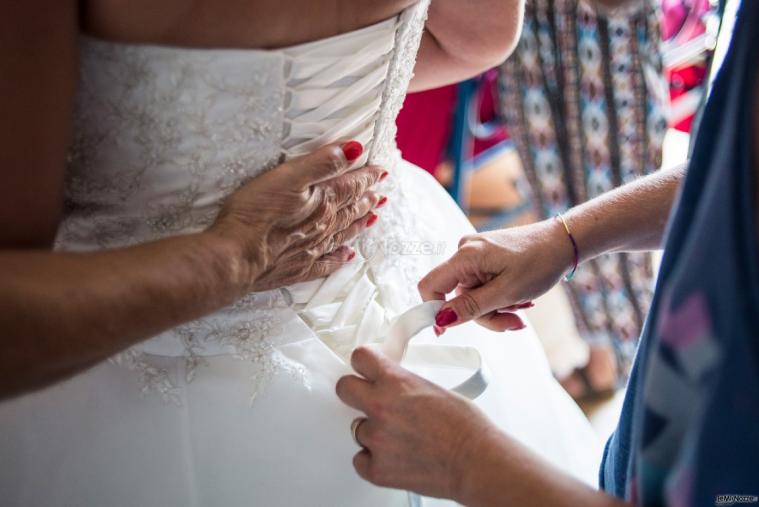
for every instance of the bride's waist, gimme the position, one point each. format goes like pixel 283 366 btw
pixel 232 331
pixel 351 307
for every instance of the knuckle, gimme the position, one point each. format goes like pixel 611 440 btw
pixel 469 304
pixel 370 198
pixel 375 173
pixel 355 189
pixel 334 159
pixel 312 252
pixel 320 270
pixel 469 249
pixel 377 410
pixel 466 239
pixel 347 216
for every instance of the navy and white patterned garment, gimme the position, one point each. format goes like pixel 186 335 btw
pixel 689 431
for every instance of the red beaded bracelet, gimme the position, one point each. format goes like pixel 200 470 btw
pixel 576 251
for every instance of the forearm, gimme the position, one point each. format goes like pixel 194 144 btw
pixel 508 474
pixel 63 312
pixel 630 218
pixel 462 39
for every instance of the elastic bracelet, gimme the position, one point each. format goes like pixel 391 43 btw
pixel 576 251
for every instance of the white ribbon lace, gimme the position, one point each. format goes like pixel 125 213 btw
pixel 396 346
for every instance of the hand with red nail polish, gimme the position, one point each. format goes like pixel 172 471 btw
pixel 498 273
pixel 305 210
pixel 352 150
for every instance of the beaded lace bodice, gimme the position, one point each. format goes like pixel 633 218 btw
pixel 163 135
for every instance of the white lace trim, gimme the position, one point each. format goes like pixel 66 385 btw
pixel 162 135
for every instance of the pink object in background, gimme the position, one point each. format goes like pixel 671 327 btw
pixel 424 126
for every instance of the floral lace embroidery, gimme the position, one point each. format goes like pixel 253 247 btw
pixel 158 144
pixel 381 245
pixel 156 154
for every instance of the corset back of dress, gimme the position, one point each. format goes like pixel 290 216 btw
pixel 162 135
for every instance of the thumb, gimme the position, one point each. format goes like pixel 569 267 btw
pixel 469 305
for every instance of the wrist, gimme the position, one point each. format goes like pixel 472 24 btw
pixel 476 464
pixel 560 244
pixel 231 262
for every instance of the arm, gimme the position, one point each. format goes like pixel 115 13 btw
pixel 501 471
pixel 509 267
pixel 419 437
pixel 62 312
pixel 629 218
pixel 462 39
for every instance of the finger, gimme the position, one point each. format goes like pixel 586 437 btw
pixel 518 306
pixel 329 263
pixel 368 363
pixel 327 162
pixel 440 281
pixel 330 228
pixel 470 304
pixel 498 321
pixel 351 186
pixel 366 434
pixel 362 462
pixel 354 392
pixel 356 228
pixel 347 215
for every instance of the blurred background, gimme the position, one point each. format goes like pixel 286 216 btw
pixel 588 101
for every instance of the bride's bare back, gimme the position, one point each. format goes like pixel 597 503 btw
pixel 231 23
pixel 39 64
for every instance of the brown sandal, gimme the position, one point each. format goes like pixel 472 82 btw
pixel 581 384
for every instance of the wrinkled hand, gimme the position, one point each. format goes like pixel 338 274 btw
pixel 496 273
pixel 291 222
pixel 417 436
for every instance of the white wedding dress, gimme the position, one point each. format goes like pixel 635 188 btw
pixel 238 409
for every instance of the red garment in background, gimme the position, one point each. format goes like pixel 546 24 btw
pixel 424 126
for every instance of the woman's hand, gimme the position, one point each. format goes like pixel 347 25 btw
pixel 501 271
pixel 498 272
pixel 291 222
pixel 417 436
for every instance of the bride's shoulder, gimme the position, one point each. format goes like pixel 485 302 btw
pixel 231 23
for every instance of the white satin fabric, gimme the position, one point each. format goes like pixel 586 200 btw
pixel 238 408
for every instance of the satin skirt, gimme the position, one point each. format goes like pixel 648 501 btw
pixel 96 440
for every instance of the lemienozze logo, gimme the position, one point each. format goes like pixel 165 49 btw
pixel 725 500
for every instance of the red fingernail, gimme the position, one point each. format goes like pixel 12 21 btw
pixel 382 201
pixel 372 218
pixel 351 255
pixel 352 150
pixel 526 305
pixel 445 317
pixel 384 175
